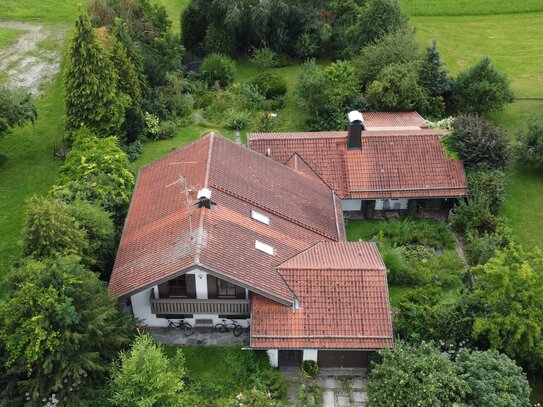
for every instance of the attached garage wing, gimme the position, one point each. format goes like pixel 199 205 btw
pixel 343 358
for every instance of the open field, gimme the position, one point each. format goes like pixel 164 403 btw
pixel 58 11
pixel 8 36
pixel 469 7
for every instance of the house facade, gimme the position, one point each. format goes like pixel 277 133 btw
pixel 384 162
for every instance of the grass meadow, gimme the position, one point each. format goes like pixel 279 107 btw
pixel 469 7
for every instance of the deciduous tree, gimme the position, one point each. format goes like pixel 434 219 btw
pixel 16 109
pixel 530 144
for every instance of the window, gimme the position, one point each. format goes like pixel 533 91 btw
pixel 226 289
pixel 263 247
pixel 260 217
pixel 178 286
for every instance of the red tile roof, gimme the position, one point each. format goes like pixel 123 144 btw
pixel 342 289
pixel 377 120
pixel 391 164
pixel 163 236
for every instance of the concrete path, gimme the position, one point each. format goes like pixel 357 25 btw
pixel 175 336
pixel 340 387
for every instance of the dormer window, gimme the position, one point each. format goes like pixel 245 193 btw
pixel 263 247
pixel 260 217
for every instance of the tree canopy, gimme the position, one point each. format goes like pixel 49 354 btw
pixel 16 109
pixel 59 332
pixel 146 376
pixel 481 89
pixel 530 144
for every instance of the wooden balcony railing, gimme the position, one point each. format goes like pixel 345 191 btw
pixel 193 306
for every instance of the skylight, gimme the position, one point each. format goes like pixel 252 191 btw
pixel 260 217
pixel 263 247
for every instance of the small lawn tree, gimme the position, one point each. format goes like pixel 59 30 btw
pixel 16 109
pixel 481 89
pixel 432 75
pixel 530 144
pixel 145 376
pixel 59 332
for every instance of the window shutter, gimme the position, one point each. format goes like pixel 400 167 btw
pixel 240 293
pixel 211 287
pixel 164 290
pixel 191 286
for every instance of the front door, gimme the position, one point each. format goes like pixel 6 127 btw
pixel 290 358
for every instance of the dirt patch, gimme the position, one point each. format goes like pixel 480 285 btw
pixel 27 63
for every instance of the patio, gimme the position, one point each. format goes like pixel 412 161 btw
pixel 174 336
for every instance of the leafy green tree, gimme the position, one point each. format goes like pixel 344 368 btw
pixel 193 24
pixel 493 379
pixel 50 230
pixel 510 285
pixel 96 170
pixel 93 98
pixel 396 88
pixel 481 88
pixel 16 109
pixel 59 332
pixel 99 233
pixel 479 142
pixel 411 376
pixel 326 94
pixel 217 67
pixel 377 19
pixel 530 144
pixel 432 75
pixel 147 377
pixel 399 47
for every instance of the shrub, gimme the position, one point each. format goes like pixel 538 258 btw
pixel 221 68
pixel 252 98
pixel 265 58
pixel 166 130
pixel 219 41
pixel 310 368
pixel 170 103
pixel 237 119
pixel 411 232
pixel 133 150
pixel 474 215
pixel 478 141
pixel 481 89
pixel 16 109
pixel 306 45
pixel 488 184
pixel 480 249
pixel 530 144
pixel 265 122
pixel 269 381
pixel 270 84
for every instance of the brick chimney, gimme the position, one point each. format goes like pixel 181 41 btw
pixel 356 125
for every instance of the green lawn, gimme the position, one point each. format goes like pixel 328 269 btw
pixel 8 36
pixel 27 167
pixel 58 11
pixel 173 8
pixel 469 7
pixel 513 42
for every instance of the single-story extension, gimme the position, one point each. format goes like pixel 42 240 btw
pixel 383 162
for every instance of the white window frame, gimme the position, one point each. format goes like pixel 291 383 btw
pixel 260 217
pixel 265 248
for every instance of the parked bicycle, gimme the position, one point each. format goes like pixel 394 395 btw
pixel 181 324
pixel 228 324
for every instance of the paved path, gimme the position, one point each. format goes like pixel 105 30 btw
pixel 340 387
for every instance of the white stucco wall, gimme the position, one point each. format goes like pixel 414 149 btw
pixel 273 355
pixel 311 354
pixel 351 204
pixel 403 203
pixel 141 307
pixel 201 283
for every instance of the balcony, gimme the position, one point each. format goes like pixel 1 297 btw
pixel 194 306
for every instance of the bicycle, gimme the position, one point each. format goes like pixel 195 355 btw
pixel 224 326
pixel 181 324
